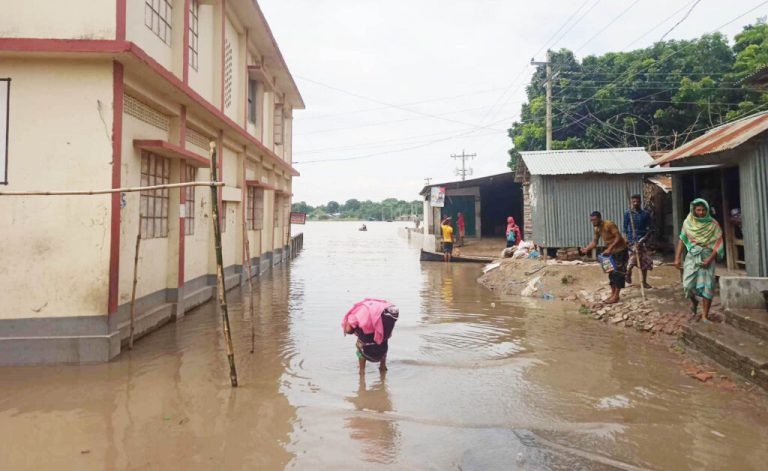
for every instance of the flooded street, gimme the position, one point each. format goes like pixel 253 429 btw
pixel 474 382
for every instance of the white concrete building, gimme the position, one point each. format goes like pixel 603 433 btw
pixel 122 93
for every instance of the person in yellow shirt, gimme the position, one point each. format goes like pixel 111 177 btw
pixel 447 230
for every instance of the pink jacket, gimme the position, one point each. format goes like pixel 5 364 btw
pixel 366 315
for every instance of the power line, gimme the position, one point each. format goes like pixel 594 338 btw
pixel 463 171
pixel 391 105
pixel 657 25
pixel 681 20
pixel 608 25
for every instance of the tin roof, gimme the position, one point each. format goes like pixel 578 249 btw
pixel 757 77
pixel 725 137
pixel 580 161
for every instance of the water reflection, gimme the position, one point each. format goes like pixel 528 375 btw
pixel 378 435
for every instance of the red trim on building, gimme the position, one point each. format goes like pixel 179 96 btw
pixel 185 53
pixel 168 149
pixel 63 45
pixel 182 199
pixel 120 22
pixel 135 52
pixel 258 183
pixel 117 150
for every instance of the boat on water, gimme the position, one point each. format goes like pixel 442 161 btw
pixel 363 228
pixel 427 256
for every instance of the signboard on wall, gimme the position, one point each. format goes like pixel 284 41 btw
pixel 437 197
pixel 5 91
pixel 298 218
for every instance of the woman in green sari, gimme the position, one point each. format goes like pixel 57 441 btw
pixel 702 238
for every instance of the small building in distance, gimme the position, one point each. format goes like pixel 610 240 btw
pixel 562 187
pixel 485 202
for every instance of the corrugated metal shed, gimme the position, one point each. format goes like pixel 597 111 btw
pixel 754 206
pixel 560 205
pixel 728 136
pixel 580 161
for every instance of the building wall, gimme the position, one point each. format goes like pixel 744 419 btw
pixel 753 176
pixel 202 79
pixel 137 32
pixel 58 19
pixel 55 249
pixel 560 206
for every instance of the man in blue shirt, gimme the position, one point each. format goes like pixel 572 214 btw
pixel 637 239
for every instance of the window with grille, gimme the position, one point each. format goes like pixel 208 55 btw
pixel 252 89
pixel 190 175
pixel 157 17
pixel 255 208
pixel 279 132
pixel 155 170
pixel 227 74
pixel 277 210
pixel 194 13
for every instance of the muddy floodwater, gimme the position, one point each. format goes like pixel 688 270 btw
pixel 475 382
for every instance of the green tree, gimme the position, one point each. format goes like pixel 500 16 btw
pixel 301 207
pixel 656 97
pixel 332 207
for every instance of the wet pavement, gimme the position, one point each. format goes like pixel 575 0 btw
pixel 474 382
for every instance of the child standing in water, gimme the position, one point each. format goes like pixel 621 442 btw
pixel 372 321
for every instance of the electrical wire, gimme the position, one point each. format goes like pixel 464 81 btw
pixel 608 25
pixel 687 14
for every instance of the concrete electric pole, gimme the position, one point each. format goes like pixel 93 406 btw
pixel 463 171
pixel 427 180
pixel 548 65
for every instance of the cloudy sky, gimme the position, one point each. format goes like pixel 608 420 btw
pixel 394 87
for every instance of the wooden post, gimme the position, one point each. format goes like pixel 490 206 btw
pixel 634 233
pixel 133 291
pixel 247 245
pixel 222 293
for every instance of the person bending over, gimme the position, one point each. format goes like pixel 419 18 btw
pixel 615 248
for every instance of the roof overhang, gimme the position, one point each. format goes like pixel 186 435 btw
pixel 652 170
pixel 166 149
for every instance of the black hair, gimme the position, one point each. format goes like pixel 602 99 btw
pixel 636 197
pixel 596 214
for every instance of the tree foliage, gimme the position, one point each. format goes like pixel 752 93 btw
pixel 389 209
pixel 657 97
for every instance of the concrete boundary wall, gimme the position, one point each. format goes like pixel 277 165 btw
pixel 743 292
pixel 97 339
pixel 426 242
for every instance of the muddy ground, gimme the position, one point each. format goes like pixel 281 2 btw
pixel 662 314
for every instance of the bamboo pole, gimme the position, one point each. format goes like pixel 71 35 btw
pixel 106 192
pixel 250 285
pixel 133 291
pixel 220 269
pixel 634 234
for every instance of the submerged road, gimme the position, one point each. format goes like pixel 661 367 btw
pixel 474 382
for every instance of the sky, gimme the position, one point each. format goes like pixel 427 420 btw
pixel 394 88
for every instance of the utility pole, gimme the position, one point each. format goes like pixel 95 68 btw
pixel 548 64
pixel 427 180
pixel 463 171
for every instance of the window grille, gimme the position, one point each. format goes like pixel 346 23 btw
pixel 134 107
pixel 155 170
pixel 252 96
pixel 255 208
pixel 277 210
pixel 227 74
pixel 194 14
pixel 278 126
pixel 157 17
pixel 197 138
pixel 190 175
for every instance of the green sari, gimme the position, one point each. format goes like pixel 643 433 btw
pixel 701 236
